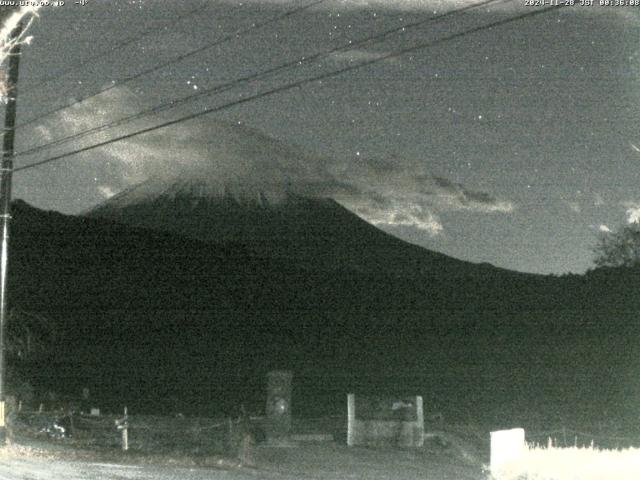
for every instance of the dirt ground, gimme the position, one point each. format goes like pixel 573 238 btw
pixel 332 462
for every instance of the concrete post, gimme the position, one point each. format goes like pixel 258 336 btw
pixel 278 407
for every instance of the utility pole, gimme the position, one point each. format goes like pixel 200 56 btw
pixel 6 170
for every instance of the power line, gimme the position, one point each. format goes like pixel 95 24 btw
pixel 296 84
pixel 177 59
pixel 114 48
pixel 377 38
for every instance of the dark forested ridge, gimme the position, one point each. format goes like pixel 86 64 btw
pixel 160 318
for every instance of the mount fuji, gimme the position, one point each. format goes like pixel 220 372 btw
pixel 274 199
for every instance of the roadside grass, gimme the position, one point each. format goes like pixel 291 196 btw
pixel 572 463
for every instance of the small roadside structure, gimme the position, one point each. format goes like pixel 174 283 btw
pixel 385 421
pixel 507 449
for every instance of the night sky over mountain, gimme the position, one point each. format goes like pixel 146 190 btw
pixel 515 145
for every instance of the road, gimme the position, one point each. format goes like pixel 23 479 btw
pixel 27 463
pixel 42 469
pixel 317 462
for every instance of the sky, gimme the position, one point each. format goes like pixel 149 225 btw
pixel 516 145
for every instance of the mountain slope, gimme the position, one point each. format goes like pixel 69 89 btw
pixel 144 315
pixel 311 230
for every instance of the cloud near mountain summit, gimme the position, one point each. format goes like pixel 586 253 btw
pixel 224 155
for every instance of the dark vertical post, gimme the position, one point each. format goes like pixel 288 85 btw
pixel 6 169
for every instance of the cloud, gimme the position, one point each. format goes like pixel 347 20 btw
pixel 457 197
pixel 632 211
pixel 106 191
pixel 398 210
pixel 402 192
pixel 236 158
pixel 633 214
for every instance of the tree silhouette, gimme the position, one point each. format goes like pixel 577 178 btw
pixel 620 248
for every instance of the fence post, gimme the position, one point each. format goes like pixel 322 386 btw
pixel 229 440
pixel 351 418
pixel 125 432
pixel 123 425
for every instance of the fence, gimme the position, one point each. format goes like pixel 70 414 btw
pixel 142 433
pixel 227 437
